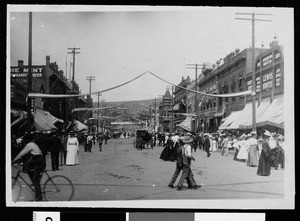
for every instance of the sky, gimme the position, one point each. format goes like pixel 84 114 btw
pixel 119 43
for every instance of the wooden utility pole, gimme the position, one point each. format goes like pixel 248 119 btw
pixel 74 52
pixel 29 76
pixel 253 61
pixel 99 94
pixel 195 67
pixel 90 79
pixel 73 80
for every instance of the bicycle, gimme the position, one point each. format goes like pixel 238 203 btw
pixel 56 188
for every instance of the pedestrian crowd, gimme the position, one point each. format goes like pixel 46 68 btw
pixel 264 151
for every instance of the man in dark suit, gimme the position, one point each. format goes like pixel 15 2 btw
pixel 55 148
pixel 206 145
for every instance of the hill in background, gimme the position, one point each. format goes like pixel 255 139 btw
pixel 133 106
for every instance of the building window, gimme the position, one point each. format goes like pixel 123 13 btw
pixel 267 60
pixel 241 83
pixel 267 81
pixel 277 55
pixel 233 89
pixel 257 84
pixel 277 77
pixel 258 64
pixel 249 85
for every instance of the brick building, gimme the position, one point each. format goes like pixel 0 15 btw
pixel 45 79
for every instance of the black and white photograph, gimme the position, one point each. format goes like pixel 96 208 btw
pixel 150 107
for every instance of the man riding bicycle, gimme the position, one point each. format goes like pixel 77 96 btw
pixel 35 163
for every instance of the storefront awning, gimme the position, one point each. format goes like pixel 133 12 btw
pixel 273 115
pixel 79 126
pixel 263 106
pixel 234 115
pixel 42 122
pixel 176 107
pixel 52 118
pixel 186 124
pixel 243 117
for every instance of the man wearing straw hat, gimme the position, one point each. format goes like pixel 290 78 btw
pixel 186 162
pixel 264 164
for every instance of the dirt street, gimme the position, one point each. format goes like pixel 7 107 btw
pixel 121 172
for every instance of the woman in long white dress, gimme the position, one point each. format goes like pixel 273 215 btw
pixel 72 150
pixel 213 145
pixel 243 149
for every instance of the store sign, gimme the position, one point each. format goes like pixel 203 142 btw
pixel 37 71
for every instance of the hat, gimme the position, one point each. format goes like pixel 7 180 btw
pixel 253 132
pixel 267 133
pixel 187 139
pixel 280 137
pixel 243 136
pixel 181 138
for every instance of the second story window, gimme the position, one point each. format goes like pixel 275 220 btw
pixel 257 84
pixel 267 60
pixel 249 85
pixel 278 77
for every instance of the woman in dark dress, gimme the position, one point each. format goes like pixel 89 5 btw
pixel 165 154
pixel 264 164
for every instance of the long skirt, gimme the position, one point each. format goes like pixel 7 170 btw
pixel 72 157
pixel 264 166
pixel 252 156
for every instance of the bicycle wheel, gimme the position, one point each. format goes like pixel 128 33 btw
pixel 16 189
pixel 58 188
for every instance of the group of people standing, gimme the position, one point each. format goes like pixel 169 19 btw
pixel 90 139
pixel 264 152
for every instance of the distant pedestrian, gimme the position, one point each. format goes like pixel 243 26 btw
pixel 243 149
pixel 224 146
pixel 264 165
pixel 55 148
pixel 63 152
pixel 72 150
pixel 89 142
pixel 100 141
pixel 253 150
pixel 105 138
pixel 281 146
pixel 213 145
pixel 206 144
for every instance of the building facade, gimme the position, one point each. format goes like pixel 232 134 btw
pixel 46 79
pixel 180 104
pixel 165 112
pixel 223 78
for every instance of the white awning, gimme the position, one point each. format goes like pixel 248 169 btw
pixel 230 119
pixel 243 117
pixel 53 119
pixel 176 107
pixel 263 106
pixel 186 124
pixel 274 114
